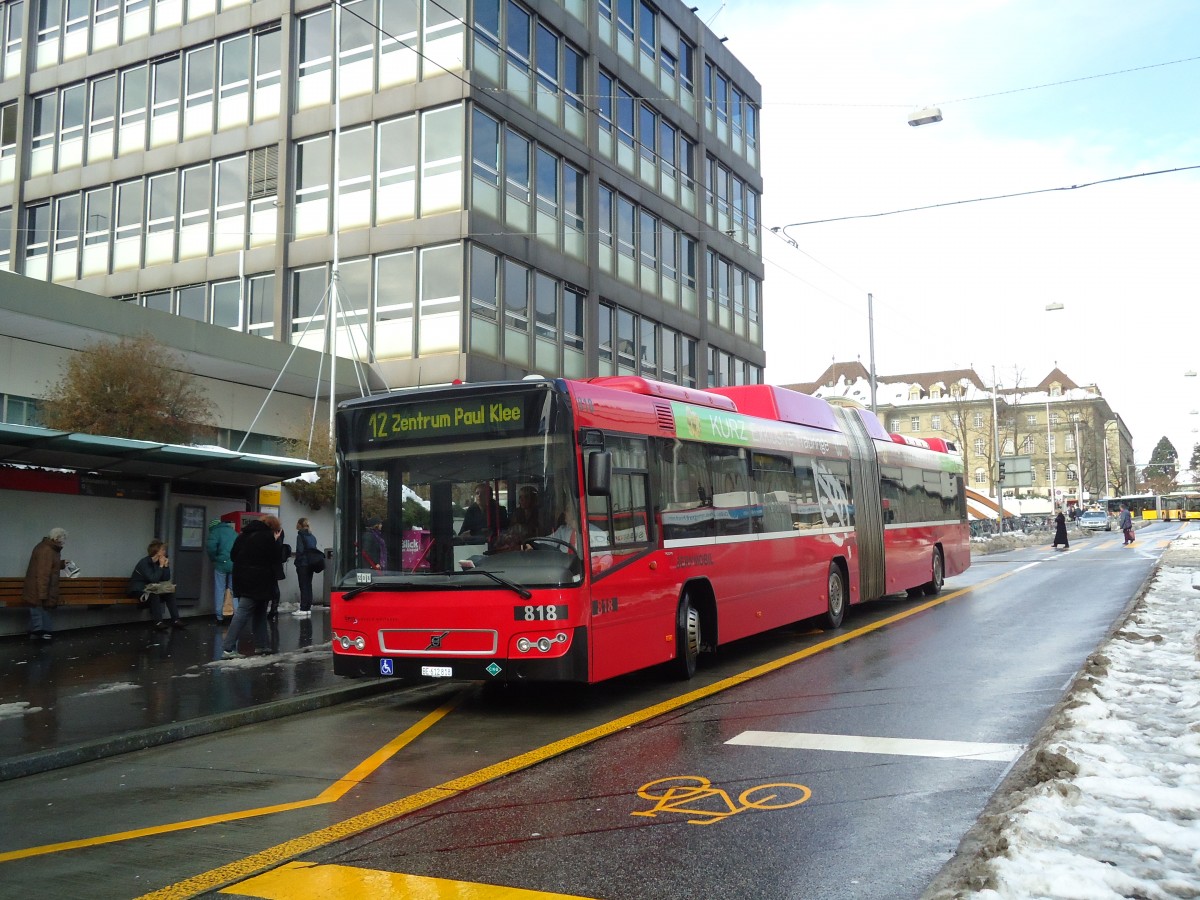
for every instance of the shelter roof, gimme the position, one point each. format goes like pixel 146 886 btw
pixel 45 448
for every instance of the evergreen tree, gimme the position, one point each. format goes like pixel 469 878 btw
pixel 1194 464
pixel 1160 473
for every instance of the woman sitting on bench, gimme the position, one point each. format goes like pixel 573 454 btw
pixel 151 579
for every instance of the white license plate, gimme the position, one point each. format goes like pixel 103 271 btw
pixel 437 671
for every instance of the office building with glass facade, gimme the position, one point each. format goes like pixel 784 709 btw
pixel 495 187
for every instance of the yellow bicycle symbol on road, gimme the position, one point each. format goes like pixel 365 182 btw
pixel 693 795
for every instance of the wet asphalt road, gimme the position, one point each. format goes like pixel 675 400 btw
pixel 983 664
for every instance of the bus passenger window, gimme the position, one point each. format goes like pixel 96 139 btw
pixel 684 496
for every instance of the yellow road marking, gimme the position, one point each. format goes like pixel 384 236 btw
pixel 214 879
pixel 331 794
pixel 308 881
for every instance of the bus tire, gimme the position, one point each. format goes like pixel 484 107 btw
pixel 933 587
pixel 687 638
pixel 835 607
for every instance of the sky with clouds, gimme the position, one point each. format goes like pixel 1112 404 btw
pixel 967 284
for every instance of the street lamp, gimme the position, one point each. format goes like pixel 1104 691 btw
pixel 926 116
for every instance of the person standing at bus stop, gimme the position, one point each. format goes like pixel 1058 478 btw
pixel 1126 524
pixel 255 556
pixel 308 555
pixel 1060 531
pixel 40 591
pixel 221 536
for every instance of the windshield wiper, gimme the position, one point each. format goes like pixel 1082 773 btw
pixel 384 585
pixel 512 586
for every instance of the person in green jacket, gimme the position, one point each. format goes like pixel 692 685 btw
pixel 221 536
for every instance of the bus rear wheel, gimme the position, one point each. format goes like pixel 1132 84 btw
pixel 835 610
pixel 933 587
pixel 687 638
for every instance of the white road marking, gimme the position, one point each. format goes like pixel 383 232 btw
pixel 849 743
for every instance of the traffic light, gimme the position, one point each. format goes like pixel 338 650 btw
pixel 1001 470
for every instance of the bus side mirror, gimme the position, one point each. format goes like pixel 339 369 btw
pixel 599 474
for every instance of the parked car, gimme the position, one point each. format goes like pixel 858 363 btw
pixel 1096 519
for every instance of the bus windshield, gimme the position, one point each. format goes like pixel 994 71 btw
pixel 459 493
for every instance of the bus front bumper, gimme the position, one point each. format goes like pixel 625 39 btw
pixel 570 666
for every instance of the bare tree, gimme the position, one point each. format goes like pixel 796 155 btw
pixel 319 492
pixel 134 387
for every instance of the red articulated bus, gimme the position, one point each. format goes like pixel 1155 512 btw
pixel 578 530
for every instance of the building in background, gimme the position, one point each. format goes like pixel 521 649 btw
pixel 1080 449
pixel 496 188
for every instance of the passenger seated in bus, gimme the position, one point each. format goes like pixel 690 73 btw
pixel 484 517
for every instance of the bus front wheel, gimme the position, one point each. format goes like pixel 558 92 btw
pixel 687 638
pixel 835 610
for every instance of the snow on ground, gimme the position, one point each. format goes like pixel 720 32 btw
pixel 1109 806
pixel 17 709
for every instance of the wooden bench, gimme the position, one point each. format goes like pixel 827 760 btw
pixel 105 590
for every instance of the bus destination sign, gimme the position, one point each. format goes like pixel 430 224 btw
pixel 423 421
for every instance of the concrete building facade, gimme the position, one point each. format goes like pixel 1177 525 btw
pixel 493 187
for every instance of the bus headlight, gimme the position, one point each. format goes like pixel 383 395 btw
pixel 350 642
pixel 544 643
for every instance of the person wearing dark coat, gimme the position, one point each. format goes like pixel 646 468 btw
pixel 484 517
pixel 155 568
pixel 40 590
pixel 1060 531
pixel 255 556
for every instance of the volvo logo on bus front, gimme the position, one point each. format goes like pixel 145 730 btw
pixel 435 640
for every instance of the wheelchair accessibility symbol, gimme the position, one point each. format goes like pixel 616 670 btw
pixel 385 667
pixel 693 795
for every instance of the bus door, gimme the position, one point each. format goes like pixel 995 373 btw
pixel 633 600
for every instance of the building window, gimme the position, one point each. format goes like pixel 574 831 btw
pixel 977 420
pixel 227 305
pixel 233 99
pixel 980 476
pixel 268 75
pixel 161 222
pixel 914 423
pixel 979 446
pixel 485 294
pixel 516 313
pixel 314 73
pixel 395 304
pixel 164 114
pixel 894 425
pixel 935 422
pixel 313 163
pixel 260 305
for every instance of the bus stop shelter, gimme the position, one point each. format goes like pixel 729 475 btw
pixel 113 495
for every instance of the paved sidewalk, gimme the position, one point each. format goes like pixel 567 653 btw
pixel 98 692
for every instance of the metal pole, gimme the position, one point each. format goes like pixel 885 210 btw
pixel 334 305
pixel 871 332
pixel 996 442
pixel 1108 472
pixel 1078 468
pixel 1050 456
